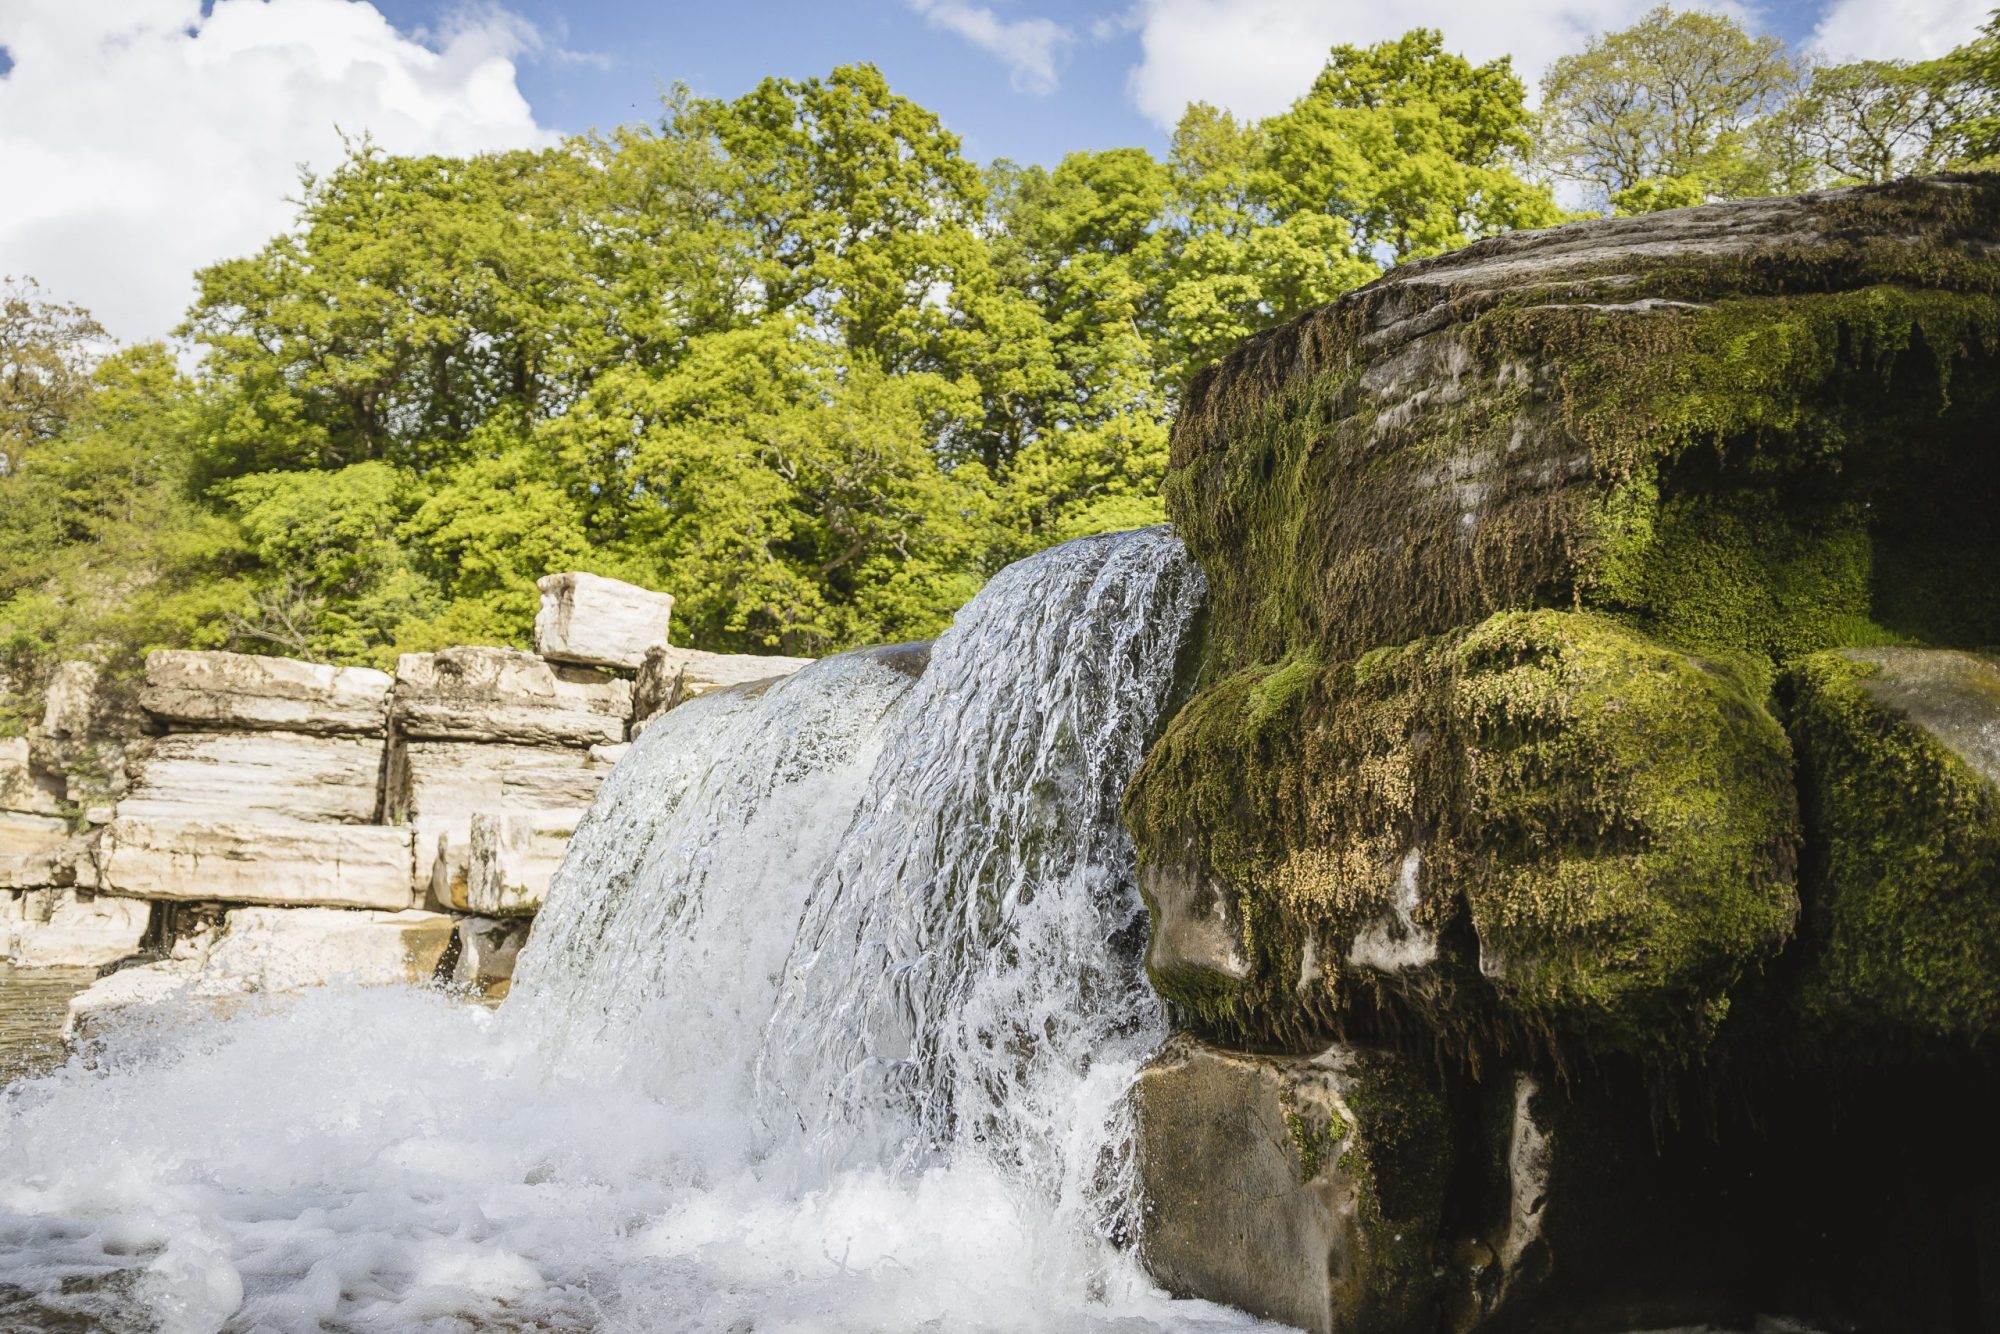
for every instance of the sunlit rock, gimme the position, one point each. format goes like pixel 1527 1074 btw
pixel 487 949
pixel 250 861
pixel 262 950
pixel 212 691
pixel 670 675
pixel 506 695
pixel 30 850
pixel 436 787
pixel 23 788
pixel 512 860
pixel 588 619
pixel 64 927
pixel 255 775
pixel 70 700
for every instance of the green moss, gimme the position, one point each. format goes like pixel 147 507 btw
pixel 1399 1157
pixel 1783 425
pixel 1316 1140
pixel 1613 819
pixel 1902 931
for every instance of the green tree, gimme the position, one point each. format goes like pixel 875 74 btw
pixel 104 551
pixel 1664 112
pixel 1417 149
pixel 1875 120
pixel 47 350
pixel 335 581
pixel 416 298
pixel 786 493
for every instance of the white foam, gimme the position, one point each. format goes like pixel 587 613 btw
pixel 602 1153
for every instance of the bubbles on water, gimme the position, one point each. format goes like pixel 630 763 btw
pixel 911 900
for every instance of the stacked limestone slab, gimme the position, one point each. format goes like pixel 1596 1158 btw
pixel 491 741
pixel 54 785
pixel 265 789
pixel 331 821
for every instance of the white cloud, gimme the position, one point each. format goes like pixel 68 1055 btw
pixel 140 140
pixel 1028 47
pixel 1254 57
pixel 1906 30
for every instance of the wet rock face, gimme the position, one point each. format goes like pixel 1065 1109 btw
pixel 1591 684
pixel 1280 1186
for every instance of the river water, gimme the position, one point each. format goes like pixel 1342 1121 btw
pixel 827 1025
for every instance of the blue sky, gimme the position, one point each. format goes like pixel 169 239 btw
pixel 604 63
pixel 633 49
pixel 143 140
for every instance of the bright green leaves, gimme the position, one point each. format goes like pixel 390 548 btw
pixel 1416 148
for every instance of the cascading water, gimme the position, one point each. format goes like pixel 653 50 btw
pixel 827 1024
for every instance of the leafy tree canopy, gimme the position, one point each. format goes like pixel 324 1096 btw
pixel 793 356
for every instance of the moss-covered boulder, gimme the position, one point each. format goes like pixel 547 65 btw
pixel 1545 826
pixel 1590 702
pixel 1899 754
pixel 1759 428
pixel 1507 552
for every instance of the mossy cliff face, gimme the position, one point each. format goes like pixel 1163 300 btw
pixel 1740 426
pixel 1507 553
pixel 1545 826
pixel 1584 700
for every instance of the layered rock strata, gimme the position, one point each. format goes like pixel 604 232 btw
pixel 271 823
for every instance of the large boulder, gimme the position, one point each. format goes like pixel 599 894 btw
pixel 1306 1190
pixel 256 775
pixel 506 695
pixel 257 861
pixel 599 622
pixel 512 859
pixel 1544 721
pixel 436 787
pixel 1547 824
pixel 212 691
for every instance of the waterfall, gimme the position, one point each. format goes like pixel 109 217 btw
pixel 827 1024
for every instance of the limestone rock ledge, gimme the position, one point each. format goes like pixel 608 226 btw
pixel 215 691
pixel 264 862
pixel 506 695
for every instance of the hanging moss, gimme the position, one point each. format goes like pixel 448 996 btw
pixel 1901 943
pixel 1612 819
pixel 1427 452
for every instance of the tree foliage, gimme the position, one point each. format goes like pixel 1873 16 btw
pixel 792 355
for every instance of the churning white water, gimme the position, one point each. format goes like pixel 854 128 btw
pixel 827 1025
